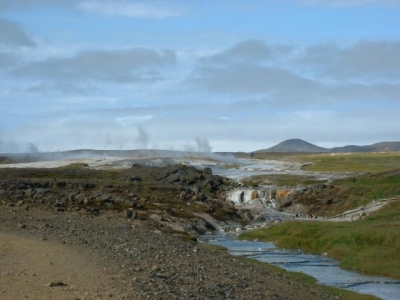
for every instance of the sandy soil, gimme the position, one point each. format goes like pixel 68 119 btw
pixel 30 267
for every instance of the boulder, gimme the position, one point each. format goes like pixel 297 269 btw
pixel 180 174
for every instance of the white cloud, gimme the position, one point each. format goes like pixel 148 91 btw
pixel 143 10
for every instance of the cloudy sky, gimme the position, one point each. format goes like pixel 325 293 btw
pixel 190 75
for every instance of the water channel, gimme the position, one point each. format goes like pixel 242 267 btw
pixel 324 269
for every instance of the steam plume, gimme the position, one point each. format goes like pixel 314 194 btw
pixel 143 137
pixel 203 145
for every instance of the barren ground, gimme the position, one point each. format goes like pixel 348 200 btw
pixel 110 257
pixel 30 266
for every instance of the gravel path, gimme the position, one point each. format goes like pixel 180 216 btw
pixel 122 259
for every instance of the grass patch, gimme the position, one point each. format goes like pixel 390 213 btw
pixel 340 162
pixel 348 193
pixel 281 180
pixel 352 162
pixel 370 246
pixel 364 189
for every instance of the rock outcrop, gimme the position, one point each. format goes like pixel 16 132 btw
pixel 174 193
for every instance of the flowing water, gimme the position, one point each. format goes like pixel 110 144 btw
pixel 324 269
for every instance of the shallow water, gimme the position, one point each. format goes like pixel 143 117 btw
pixel 324 269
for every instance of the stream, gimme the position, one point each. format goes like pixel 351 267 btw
pixel 324 269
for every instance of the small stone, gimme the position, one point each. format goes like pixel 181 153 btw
pixel 56 284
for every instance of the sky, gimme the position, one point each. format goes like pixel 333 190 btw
pixel 210 75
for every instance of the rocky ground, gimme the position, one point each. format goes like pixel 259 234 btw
pixel 77 233
pixel 71 255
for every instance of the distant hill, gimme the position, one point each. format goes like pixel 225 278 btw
pixel 352 148
pixel 386 146
pixel 298 145
pixel 294 145
pixel 378 147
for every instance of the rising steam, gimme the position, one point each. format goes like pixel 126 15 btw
pixel 142 138
pixel 203 145
pixel 17 147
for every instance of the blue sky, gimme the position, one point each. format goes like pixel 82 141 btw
pixel 234 75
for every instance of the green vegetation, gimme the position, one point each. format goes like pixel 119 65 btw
pixel 363 190
pixel 338 293
pixel 353 192
pixel 281 180
pixel 340 162
pixel 354 162
pixel 370 246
